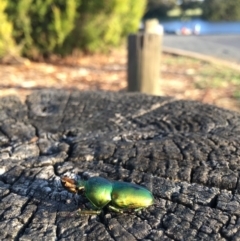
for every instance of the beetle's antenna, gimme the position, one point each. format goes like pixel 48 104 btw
pixel 69 184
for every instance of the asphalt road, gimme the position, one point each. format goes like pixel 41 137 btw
pixel 226 47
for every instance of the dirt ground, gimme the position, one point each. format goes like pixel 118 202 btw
pixel 108 72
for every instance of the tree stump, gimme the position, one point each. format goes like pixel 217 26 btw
pixel 186 153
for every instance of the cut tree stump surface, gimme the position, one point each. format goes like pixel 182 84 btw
pixel 187 153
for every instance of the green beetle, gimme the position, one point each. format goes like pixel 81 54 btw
pixel 119 196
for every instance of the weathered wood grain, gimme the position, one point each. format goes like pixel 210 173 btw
pixel 186 153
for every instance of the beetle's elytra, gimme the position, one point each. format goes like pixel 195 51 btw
pixel 118 196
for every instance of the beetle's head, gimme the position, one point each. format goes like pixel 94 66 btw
pixel 71 185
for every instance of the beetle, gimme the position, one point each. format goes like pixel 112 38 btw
pixel 118 196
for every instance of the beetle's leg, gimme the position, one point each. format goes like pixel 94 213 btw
pixel 118 210
pixel 115 209
pixel 137 209
pixel 89 212
pixel 122 210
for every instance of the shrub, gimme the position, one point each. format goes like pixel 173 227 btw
pixel 103 24
pixel 7 44
pixel 61 26
pixel 221 10
pixel 42 26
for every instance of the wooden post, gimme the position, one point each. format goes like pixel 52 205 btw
pixel 144 56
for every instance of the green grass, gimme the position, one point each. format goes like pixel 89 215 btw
pixel 193 12
pixel 218 76
pixel 204 76
pixel 177 13
pixel 178 60
pixel 236 94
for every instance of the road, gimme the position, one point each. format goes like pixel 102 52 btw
pixel 226 47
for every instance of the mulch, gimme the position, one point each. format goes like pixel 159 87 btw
pixel 104 72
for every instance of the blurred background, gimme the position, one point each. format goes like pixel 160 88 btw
pixel 82 44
